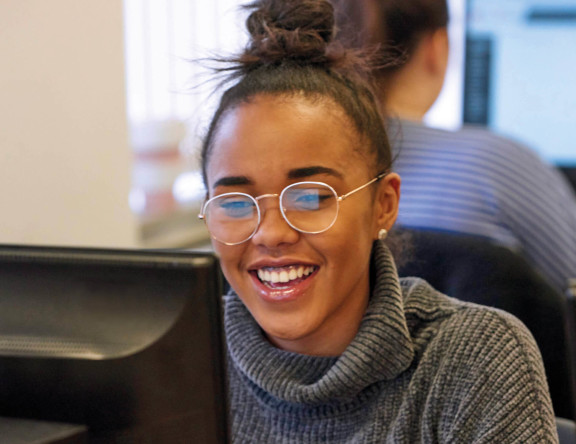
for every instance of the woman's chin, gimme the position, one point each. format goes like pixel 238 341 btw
pixel 289 338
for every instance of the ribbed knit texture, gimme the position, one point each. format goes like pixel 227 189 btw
pixel 474 182
pixel 422 368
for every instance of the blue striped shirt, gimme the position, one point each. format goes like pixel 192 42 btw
pixel 475 182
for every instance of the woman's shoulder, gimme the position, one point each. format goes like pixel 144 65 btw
pixel 455 321
pixel 467 337
pixel 481 359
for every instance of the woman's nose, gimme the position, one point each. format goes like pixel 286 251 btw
pixel 273 229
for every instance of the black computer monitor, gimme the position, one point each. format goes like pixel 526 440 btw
pixel 128 343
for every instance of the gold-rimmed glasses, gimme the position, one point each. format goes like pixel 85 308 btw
pixel 308 207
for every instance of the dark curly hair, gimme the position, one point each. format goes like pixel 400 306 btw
pixel 292 51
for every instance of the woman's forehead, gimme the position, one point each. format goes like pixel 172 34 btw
pixel 281 134
pixel 285 119
pixel 297 103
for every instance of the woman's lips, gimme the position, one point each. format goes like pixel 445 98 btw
pixel 283 283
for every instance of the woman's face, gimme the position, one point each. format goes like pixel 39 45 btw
pixel 260 148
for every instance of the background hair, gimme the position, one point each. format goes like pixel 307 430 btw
pixel 292 51
pixel 393 27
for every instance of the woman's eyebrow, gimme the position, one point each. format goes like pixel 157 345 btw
pixel 301 173
pixel 231 181
pixel 296 173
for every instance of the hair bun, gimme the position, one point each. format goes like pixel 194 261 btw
pixel 290 30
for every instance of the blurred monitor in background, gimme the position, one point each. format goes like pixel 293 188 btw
pixel 511 69
pixel 519 77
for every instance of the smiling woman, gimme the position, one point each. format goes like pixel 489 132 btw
pixel 309 139
pixel 326 342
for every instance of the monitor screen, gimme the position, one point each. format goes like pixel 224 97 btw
pixel 127 343
pixel 519 73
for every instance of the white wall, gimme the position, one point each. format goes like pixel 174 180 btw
pixel 64 155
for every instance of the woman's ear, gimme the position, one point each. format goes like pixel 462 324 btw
pixel 438 49
pixel 387 201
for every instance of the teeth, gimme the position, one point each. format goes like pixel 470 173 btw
pixel 274 278
pixel 284 275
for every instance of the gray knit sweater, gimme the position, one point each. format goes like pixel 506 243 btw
pixel 422 368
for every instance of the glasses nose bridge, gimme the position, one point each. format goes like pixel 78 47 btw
pixel 264 210
pixel 266 196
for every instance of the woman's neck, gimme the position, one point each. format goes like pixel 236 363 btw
pixel 406 99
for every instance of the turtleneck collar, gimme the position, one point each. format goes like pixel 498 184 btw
pixel 381 350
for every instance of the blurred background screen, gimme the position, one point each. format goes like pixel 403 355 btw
pixel 519 73
pixel 512 69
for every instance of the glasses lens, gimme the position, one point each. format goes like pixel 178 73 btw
pixel 310 207
pixel 231 218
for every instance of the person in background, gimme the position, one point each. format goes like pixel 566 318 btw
pixel 467 181
pixel 325 342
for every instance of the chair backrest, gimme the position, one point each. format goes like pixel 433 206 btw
pixel 475 270
pixel 566 431
pixel 571 329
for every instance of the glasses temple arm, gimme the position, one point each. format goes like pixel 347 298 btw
pixel 377 178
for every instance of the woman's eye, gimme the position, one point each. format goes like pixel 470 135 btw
pixel 309 201
pixel 237 208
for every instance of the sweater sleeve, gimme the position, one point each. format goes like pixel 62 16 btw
pixel 490 386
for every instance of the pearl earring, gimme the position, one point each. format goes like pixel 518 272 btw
pixel 382 234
